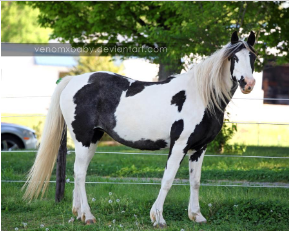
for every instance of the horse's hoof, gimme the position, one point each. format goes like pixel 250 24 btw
pixel 202 222
pixel 160 225
pixel 198 218
pixel 74 211
pixel 90 222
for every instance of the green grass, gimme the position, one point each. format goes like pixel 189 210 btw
pixel 248 134
pixel 16 165
pixel 257 208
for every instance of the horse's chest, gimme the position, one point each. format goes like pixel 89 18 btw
pixel 205 132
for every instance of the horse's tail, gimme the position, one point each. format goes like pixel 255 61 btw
pixel 40 173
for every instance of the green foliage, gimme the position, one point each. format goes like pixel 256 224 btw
pixel 38 130
pixel 221 143
pixel 88 64
pixel 226 133
pixel 19 24
pixel 185 28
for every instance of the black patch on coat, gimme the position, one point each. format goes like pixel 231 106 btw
pixel 142 144
pixel 179 99
pixel 211 124
pixel 232 66
pixel 233 60
pixel 242 82
pixel 96 104
pixel 252 60
pixel 197 154
pixel 138 86
pixel 183 158
pixel 176 130
pixel 205 131
pixel 97 135
pixel 191 170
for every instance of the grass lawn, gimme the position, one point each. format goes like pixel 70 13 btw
pixel 16 165
pixel 232 208
pixel 248 134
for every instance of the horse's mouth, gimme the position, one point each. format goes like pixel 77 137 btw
pixel 245 91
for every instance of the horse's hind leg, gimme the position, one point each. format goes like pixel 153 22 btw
pixel 83 156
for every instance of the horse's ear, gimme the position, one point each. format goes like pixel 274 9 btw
pixel 234 38
pixel 251 39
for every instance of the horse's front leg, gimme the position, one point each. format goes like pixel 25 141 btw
pixel 173 164
pixel 195 165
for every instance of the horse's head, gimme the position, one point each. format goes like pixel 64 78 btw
pixel 242 62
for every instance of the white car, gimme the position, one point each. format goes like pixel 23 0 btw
pixel 15 137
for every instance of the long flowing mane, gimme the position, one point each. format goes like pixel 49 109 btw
pixel 212 82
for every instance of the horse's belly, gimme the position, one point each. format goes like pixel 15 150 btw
pixel 143 126
pixel 144 119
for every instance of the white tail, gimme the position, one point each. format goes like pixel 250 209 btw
pixel 40 173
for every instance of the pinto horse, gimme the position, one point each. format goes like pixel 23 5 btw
pixel 185 113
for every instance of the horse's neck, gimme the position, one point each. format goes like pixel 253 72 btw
pixel 233 85
pixel 232 91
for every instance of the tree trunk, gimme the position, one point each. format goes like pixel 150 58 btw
pixel 167 69
pixel 61 167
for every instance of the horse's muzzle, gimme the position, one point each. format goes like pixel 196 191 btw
pixel 247 85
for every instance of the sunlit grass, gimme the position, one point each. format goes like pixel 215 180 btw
pixel 16 165
pixel 248 134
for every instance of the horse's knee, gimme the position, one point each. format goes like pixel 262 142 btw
pixel 166 185
pixel 79 176
pixel 196 184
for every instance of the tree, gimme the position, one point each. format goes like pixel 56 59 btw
pixel 185 28
pixel 88 64
pixel 19 24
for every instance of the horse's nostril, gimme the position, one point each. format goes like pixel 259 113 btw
pixel 249 88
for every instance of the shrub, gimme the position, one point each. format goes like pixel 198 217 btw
pixel 220 143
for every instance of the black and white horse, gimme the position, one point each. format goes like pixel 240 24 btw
pixel 184 112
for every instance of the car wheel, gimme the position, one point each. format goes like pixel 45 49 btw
pixel 10 143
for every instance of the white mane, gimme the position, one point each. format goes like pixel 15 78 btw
pixel 212 82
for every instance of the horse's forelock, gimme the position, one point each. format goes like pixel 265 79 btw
pixel 231 49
